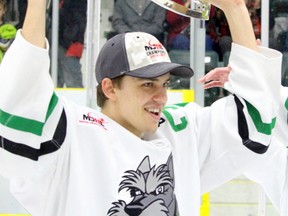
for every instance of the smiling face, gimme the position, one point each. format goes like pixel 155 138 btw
pixel 137 103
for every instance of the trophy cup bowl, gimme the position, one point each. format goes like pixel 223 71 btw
pixel 199 9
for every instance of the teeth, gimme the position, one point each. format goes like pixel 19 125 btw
pixel 154 110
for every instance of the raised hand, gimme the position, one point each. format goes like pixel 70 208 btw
pixel 218 76
pixel 215 78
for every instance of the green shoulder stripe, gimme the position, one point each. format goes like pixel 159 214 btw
pixel 265 128
pixel 24 124
pixel 286 104
pixel 52 105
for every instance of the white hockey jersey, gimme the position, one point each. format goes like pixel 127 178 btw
pixel 272 173
pixel 67 160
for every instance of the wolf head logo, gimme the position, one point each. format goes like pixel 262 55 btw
pixel 151 190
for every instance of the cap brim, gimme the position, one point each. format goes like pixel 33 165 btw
pixel 159 69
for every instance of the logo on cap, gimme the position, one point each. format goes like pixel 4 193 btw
pixel 155 49
pixel 144 49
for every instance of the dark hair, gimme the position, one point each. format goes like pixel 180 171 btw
pixel 101 97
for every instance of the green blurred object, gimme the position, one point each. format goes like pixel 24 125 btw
pixel 7 31
pixel 7 35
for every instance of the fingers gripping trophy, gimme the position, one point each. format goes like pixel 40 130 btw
pixel 199 9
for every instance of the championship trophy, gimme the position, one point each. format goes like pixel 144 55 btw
pixel 198 9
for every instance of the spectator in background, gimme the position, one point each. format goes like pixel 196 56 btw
pixel 72 26
pixel 254 8
pixel 139 15
pixel 218 37
pixel 218 32
pixel 7 30
pixel 178 28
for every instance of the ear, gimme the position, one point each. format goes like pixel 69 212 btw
pixel 108 88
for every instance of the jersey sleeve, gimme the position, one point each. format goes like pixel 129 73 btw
pixel 256 78
pixel 281 127
pixel 236 131
pixel 30 112
pixel 272 173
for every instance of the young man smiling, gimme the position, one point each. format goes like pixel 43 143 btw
pixel 135 157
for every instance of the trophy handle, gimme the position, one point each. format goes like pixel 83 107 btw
pixel 199 10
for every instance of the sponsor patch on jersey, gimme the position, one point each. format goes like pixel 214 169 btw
pixel 90 119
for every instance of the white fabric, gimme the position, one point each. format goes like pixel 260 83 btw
pixel 83 176
pixel 272 173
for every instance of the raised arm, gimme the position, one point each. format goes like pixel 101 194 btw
pixel 218 76
pixel 34 25
pixel 239 21
pixel 27 99
pixel 250 111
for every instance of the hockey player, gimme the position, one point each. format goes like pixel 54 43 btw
pixel 136 156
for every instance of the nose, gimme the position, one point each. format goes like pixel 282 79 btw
pixel 133 210
pixel 161 96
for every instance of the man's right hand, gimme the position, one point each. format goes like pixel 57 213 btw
pixel 218 76
pixel 215 78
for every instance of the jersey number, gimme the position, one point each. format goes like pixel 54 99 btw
pixel 177 123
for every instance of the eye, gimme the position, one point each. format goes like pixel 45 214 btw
pixel 167 84
pixel 135 192
pixel 148 84
pixel 159 190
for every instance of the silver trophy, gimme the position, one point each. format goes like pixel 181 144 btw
pixel 199 9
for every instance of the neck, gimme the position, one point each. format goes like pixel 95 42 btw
pixel 115 117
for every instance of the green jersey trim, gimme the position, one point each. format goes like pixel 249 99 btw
pixel 286 104
pixel 24 124
pixel 265 128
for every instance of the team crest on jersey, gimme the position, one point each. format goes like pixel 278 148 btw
pixel 90 119
pixel 151 190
